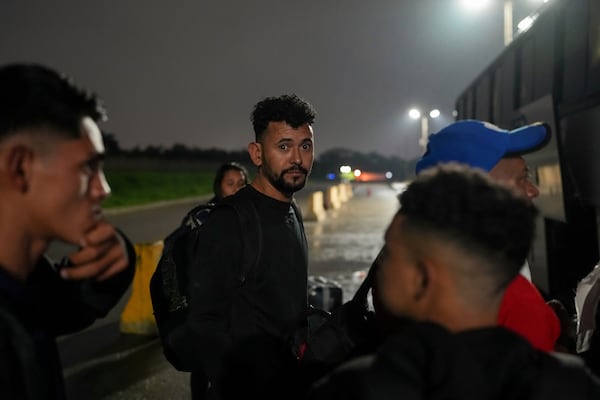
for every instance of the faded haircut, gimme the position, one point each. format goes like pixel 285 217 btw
pixel 467 209
pixel 33 96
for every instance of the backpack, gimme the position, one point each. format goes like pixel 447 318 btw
pixel 168 284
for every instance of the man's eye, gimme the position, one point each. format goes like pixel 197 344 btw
pixel 306 146
pixel 91 167
pixel 283 146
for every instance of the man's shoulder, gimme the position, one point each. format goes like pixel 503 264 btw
pixel 346 381
pixel 565 376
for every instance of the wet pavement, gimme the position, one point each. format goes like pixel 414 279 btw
pixel 341 247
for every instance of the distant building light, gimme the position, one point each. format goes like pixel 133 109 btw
pixel 388 175
pixel 331 176
pixel 344 169
pixel 357 172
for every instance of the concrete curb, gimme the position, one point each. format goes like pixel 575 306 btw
pixel 158 204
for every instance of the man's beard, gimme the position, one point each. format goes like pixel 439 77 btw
pixel 287 187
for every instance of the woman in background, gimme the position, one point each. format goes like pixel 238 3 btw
pixel 230 178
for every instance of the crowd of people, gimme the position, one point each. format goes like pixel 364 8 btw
pixel 456 313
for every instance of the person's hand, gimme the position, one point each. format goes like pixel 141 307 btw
pixel 101 256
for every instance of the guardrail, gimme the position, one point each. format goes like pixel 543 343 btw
pixel 137 316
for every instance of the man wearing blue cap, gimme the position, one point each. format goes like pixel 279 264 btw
pixel 499 152
pixel 442 275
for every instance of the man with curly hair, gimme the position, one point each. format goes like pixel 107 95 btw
pixel 457 241
pixel 499 152
pixel 242 331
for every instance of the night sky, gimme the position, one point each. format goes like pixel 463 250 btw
pixel 189 72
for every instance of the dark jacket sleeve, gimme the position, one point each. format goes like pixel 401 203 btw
pixel 68 306
pixel 215 256
pixel 18 371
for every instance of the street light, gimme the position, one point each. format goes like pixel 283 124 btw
pixel 508 16
pixel 415 113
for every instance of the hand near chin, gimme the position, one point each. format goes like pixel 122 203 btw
pixel 102 255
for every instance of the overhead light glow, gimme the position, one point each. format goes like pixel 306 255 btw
pixel 414 113
pixel 357 172
pixel 474 5
pixel 344 169
pixel 434 113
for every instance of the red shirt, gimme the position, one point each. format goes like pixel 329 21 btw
pixel 524 311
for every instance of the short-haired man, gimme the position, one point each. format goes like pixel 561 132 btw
pixel 51 188
pixel 458 239
pixel 499 152
pixel 243 333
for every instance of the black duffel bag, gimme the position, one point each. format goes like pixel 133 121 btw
pixel 350 330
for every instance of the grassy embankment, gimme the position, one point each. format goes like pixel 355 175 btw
pixel 141 187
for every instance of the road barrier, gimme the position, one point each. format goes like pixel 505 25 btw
pixel 332 200
pixel 347 187
pixel 342 194
pixel 315 211
pixel 138 317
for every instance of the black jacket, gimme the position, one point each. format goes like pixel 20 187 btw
pixel 34 313
pixel 243 332
pixel 426 361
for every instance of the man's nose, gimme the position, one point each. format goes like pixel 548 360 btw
pixel 296 156
pixel 532 190
pixel 100 187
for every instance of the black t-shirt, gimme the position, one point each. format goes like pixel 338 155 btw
pixel 248 325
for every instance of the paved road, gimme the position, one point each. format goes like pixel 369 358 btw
pixel 341 247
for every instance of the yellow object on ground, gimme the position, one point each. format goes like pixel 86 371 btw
pixel 137 317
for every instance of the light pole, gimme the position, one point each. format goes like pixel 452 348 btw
pixel 508 15
pixel 415 113
pixel 508 22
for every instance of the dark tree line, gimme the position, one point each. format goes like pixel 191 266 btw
pixel 176 151
pixel 328 161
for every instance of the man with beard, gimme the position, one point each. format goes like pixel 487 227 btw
pixel 240 326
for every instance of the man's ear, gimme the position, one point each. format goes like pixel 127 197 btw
pixel 17 165
pixel 424 271
pixel 255 152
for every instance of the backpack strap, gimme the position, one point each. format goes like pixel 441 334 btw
pixel 251 235
pixel 363 290
pixel 297 211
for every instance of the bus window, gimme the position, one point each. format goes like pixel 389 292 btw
pixel 573 58
pixel 497 96
pixel 482 108
pixel 508 88
pixel 525 76
pixel 594 48
pixel 470 104
pixel 544 58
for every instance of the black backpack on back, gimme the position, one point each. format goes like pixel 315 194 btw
pixel 168 285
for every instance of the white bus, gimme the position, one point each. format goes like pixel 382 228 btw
pixel 552 73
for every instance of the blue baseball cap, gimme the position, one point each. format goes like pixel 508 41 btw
pixel 481 144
